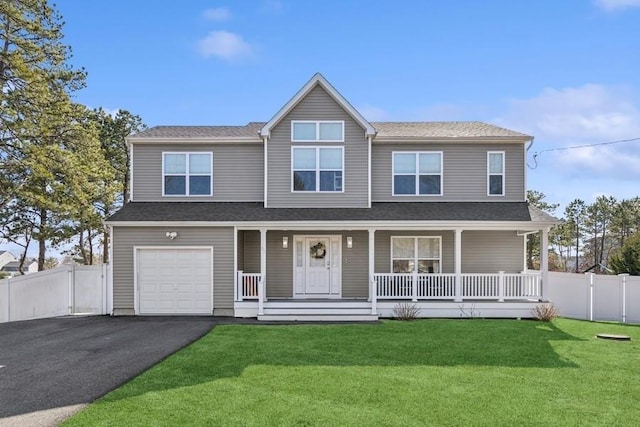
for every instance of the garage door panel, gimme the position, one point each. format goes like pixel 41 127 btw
pixel 174 281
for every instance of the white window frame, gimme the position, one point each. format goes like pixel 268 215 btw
pixel 317 169
pixel 417 173
pixel 489 174
pixel 317 124
pixel 187 174
pixel 415 249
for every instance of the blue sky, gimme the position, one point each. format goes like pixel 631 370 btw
pixel 567 72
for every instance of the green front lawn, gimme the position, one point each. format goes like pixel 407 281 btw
pixel 426 372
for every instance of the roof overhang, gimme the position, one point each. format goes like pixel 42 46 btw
pixel 345 225
pixel 194 140
pixel 316 80
pixel 453 139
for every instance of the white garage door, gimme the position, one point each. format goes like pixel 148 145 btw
pixel 174 280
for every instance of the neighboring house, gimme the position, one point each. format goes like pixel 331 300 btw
pixel 5 258
pixel 321 214
pixel 13 267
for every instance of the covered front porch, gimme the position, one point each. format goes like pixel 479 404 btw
pixel 304 273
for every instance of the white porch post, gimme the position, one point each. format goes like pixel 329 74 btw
pixel 544 263
pixel 236 276
pixel 458 264
pixel 263 271
pixel 372 283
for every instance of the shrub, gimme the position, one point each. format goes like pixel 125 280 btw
pixel 406 311
pixel 545 312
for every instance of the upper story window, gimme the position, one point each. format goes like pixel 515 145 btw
pixel 317 130
pixel 187 174
pixel 317 169
pixel 495 173
pixel 416 254
pixel 417 173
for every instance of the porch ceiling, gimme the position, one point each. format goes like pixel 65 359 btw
pixel 252 212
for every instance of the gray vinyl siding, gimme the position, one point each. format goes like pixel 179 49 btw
pixel 251 254
pixel 279 279
pixel 125 238
pixel 464 169
pixel 383 248
pixel 492 251
pixel 238 172
pixel 318 105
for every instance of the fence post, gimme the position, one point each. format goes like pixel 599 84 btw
pixel 590 297
pixel 623 278
pixel 8 299
pixel 71 284
pixel 500 286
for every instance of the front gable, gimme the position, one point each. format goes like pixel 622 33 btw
pixel 326 127
pixel 317 81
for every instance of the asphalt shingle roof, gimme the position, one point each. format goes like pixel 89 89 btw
pixel 442 129
pixel 385 129
pixel 254 211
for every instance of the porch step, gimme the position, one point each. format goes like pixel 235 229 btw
pixel 318 317
pixel 338 311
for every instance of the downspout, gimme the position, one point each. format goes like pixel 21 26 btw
pixel 526 151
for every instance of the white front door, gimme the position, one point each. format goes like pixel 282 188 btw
pixel 317 266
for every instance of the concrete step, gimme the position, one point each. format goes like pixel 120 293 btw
pixel 317 311
pixel 318 317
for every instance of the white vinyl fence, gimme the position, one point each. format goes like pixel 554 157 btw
pixel 69 289
pixel 596 297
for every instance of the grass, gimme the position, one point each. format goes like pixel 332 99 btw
pixel 426 372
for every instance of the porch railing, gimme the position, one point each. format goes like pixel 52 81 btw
pixel 495 286
pixel 248 286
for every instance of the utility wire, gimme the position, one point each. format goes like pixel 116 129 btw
pixel 537 153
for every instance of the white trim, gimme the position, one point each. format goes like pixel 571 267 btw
pixel 130 174
pixel 235 140
pixel 317 126
pixel 343 225
pixel 369 171
pixel 489 174
pixel 136 291
pixel 303 237
pixel 416 258
pixel 317 79
pixel 266 170
pixel 417 173
pixel 110 278
pixel 317 168
pixel 235 263
pixel 187 175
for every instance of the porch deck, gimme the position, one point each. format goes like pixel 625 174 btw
pixel 465 295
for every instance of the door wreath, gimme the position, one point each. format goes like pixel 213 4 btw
pixel 318 251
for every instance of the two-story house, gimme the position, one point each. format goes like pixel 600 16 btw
pixel 321 214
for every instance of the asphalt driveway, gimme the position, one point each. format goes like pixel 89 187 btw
pixel 60 362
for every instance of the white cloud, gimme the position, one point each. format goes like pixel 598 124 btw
pixel 225 45
pixel 617 4
pixel 590 114
pixel 217 14
pixel 374 114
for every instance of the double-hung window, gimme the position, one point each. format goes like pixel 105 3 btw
pixel 317 131
pixel 417 173
pixel 187 174
pixel 495 173
pixel 317 169
pixel 416 254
